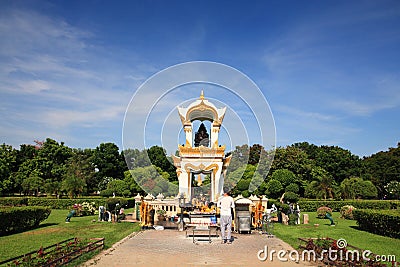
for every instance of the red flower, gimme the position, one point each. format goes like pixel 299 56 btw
pixel 40 252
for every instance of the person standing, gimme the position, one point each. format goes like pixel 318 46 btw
pixel 226 205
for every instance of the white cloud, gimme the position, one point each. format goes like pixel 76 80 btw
pixel 53 79
pixel 380 93
pixel 85 118
pixel 298 113
pixel 31 31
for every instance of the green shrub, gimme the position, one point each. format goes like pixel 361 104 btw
pixel 63 203
pixel 346 212
pixel 130 202
pixel 112 203
pixel 89 208
pixel 323 243
pixel 291 197
pixel 106 192
pixel 272 201
pixel 16 219
pixel 292 188
pixel 13 201
pixel 285 208
pixel 85 209
pixel 381 222
pixel 68 203
pixel 336 205
pixel 322 211
pixel 292 219
pixel 280 206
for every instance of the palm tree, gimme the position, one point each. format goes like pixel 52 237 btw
pixel 322 182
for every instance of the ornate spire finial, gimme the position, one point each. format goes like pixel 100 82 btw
pixel 202 95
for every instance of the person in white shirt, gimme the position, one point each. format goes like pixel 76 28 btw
pixel 226 204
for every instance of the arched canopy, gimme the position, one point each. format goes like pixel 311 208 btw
pixel 201 109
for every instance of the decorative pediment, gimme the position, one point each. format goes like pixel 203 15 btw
pixel 201 168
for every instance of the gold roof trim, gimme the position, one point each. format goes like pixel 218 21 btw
pixel 201 150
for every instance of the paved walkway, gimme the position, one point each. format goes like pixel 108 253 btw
pixel 172 248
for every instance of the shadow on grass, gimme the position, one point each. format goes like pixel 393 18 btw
pixel 356 227
pixel 29 229
pixel 328 224
pixel 44 225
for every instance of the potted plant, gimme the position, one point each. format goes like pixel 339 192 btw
pixel 161 214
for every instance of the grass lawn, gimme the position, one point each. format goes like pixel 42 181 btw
pixel 54 230
pixel 346 229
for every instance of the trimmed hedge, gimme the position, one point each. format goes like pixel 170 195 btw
pixel 336 205
pixel 112 203
pixel 62 203
pixel 16 219
pixel 381 222
pixel 68 203
pixel 13 201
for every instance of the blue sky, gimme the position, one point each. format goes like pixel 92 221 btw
pixel 330 70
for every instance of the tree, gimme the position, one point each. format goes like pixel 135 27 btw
pixel 261 190
pixel 382 168
pixel 131 182
pixel 243 179
pixel 284 176
pixel 322 185
pixel 108 162
pixel 369 190
pixel 52 187
pixel 158 158
pixel 23 163
pixel 73 186
pixel 291 197
pixel 293 187
pixel 393 190
pixel 274 188
pixel 34 183
pixel 119 187
pixel 81 164
pixel 312 190
pixel 25 153
pixel 338 162
pixel 356 187
pixel 148 179
pixel 295 160
pixel 46 160
pixel 240 157
pixel 8 165
pixel 255 153
pixel 136 158
pixel 51 158
pixel 265 162
pixel 310 149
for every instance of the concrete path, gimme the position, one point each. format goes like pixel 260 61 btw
pixel 172 248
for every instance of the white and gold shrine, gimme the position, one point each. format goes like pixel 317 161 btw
pixel 201 153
